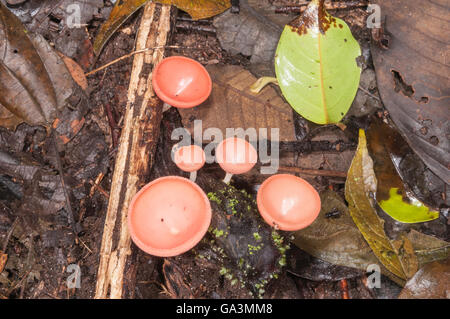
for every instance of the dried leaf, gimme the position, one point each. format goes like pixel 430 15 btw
pixel 75 70
pixel 248 33
pixel 316 67
pixel 3 260
pixel 360 183
pixel 232 105
pixel 335 239
pixel 412 76
pixel 428 248
pixel 119 14
pixel 199 9
pixel 34 82
pixel 430 282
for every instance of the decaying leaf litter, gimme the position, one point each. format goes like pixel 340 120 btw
pixel 41 245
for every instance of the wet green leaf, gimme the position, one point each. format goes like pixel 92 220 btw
pixel 398 257
pixel 385 146
pixel 316 67
pixel 413 211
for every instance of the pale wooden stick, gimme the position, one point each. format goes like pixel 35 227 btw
pixel 136 149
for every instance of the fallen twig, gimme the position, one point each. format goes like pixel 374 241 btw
pixel 126 56
pixel 140 133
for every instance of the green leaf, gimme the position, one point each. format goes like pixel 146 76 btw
pixel 385 145
pixel 402 211
pixel 398 257
pixel 316 67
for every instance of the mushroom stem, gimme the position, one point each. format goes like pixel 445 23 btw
pixel 227 178
pixel 166 107
pixel 193 176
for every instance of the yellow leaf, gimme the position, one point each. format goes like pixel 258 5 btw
pixel 199 9
pixel 398 257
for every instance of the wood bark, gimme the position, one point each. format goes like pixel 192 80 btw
pixel 137 144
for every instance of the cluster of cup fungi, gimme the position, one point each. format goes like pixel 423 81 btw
pixel 171 214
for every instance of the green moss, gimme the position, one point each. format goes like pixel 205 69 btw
pixel 279 240
pixel 218 233
pixel 232 205
pixel 223 271
pixel 241 262
pixel 213 197
pixel 252 249
pixel 257 236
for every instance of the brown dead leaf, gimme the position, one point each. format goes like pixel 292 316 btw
pixel 35 85
pixel 412 70
pixel 75 70
pixel 430 282
pixel 3 260
pixel 232 105
pixel 119 14
pixel 199 9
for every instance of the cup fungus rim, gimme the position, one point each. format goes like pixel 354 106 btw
pixel 174 102
pixel 269 218
pixel 188 244
pixel 249 165
pixel 195 166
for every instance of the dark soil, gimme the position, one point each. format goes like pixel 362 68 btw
pixel 42 247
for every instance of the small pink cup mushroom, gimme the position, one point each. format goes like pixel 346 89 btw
pixel 190 159
pixel 181 82
pixel 169 216
pixel 288 202
pixel 235 156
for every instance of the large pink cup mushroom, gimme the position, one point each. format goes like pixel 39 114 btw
pixel 288 202
pixel 235 156
pixel 169 216
pixel 181 82
pixel 190 159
